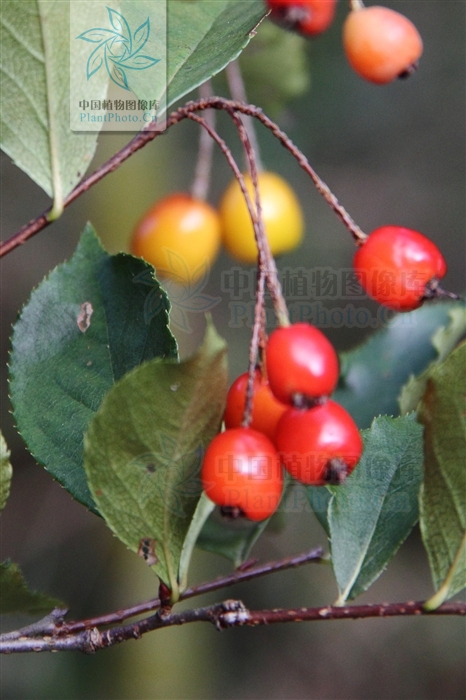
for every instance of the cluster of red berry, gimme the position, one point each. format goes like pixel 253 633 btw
pixel 293 423
pixel 380 44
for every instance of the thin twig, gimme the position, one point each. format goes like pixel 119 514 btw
pixel 201 181
pixel 254 347
pixel 269 267
pixel 230 613
pixel 237 576
pixel 91 640
pixel 150 132
pixel 358 235
pixel 266 271
pixel 350 612
pixel 266 259
pixel 238 93
pixel 48 625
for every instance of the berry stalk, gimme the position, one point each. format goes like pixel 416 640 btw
pixel 201 181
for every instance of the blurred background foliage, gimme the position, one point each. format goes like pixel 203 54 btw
pixel 392 155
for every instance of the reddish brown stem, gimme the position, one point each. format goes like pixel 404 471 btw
pixel 150 132
pixel 350 612
pixel 267 271
pixel 54 623
pixel 237 576
pixel 230 613
pixel 254 347
pixel 266 260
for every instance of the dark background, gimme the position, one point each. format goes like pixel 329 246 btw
pixel 393 154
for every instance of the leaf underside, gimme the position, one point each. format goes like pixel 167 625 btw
pixel 444 341
pixel 144 449
pixel 202 38
pixel 35 85
pixel 232 540
pixel 442 504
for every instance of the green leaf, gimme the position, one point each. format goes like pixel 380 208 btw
pixel 319 498
pixel 372 374
pixel 65 358
pixel 267 86
pixel 442 503
pixel 35 123
pixel 373 513
pixel 203 37
pixel 16 596
pixel 444 341
pixel 6 472
pixel 450 586
pixel 446 338
pixel 232 539
pixel 144 448
pixel 203 509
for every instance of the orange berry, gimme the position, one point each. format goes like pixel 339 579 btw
pixel 179 236
pixel 381 44
pixel 266 409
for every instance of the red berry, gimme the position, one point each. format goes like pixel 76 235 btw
pixel 266 409
pixel 300 360
pixel 395 264
pixel 241 469
pixel 381 44
pixel 309 17
pixel 320 445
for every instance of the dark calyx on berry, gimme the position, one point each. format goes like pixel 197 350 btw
pixel 335 472
pixel 291 16
pixel 410 70
pixel 231 512
pixel 304 402
pixel 433 290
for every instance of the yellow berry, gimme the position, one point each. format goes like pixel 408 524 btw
pixel 281 211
